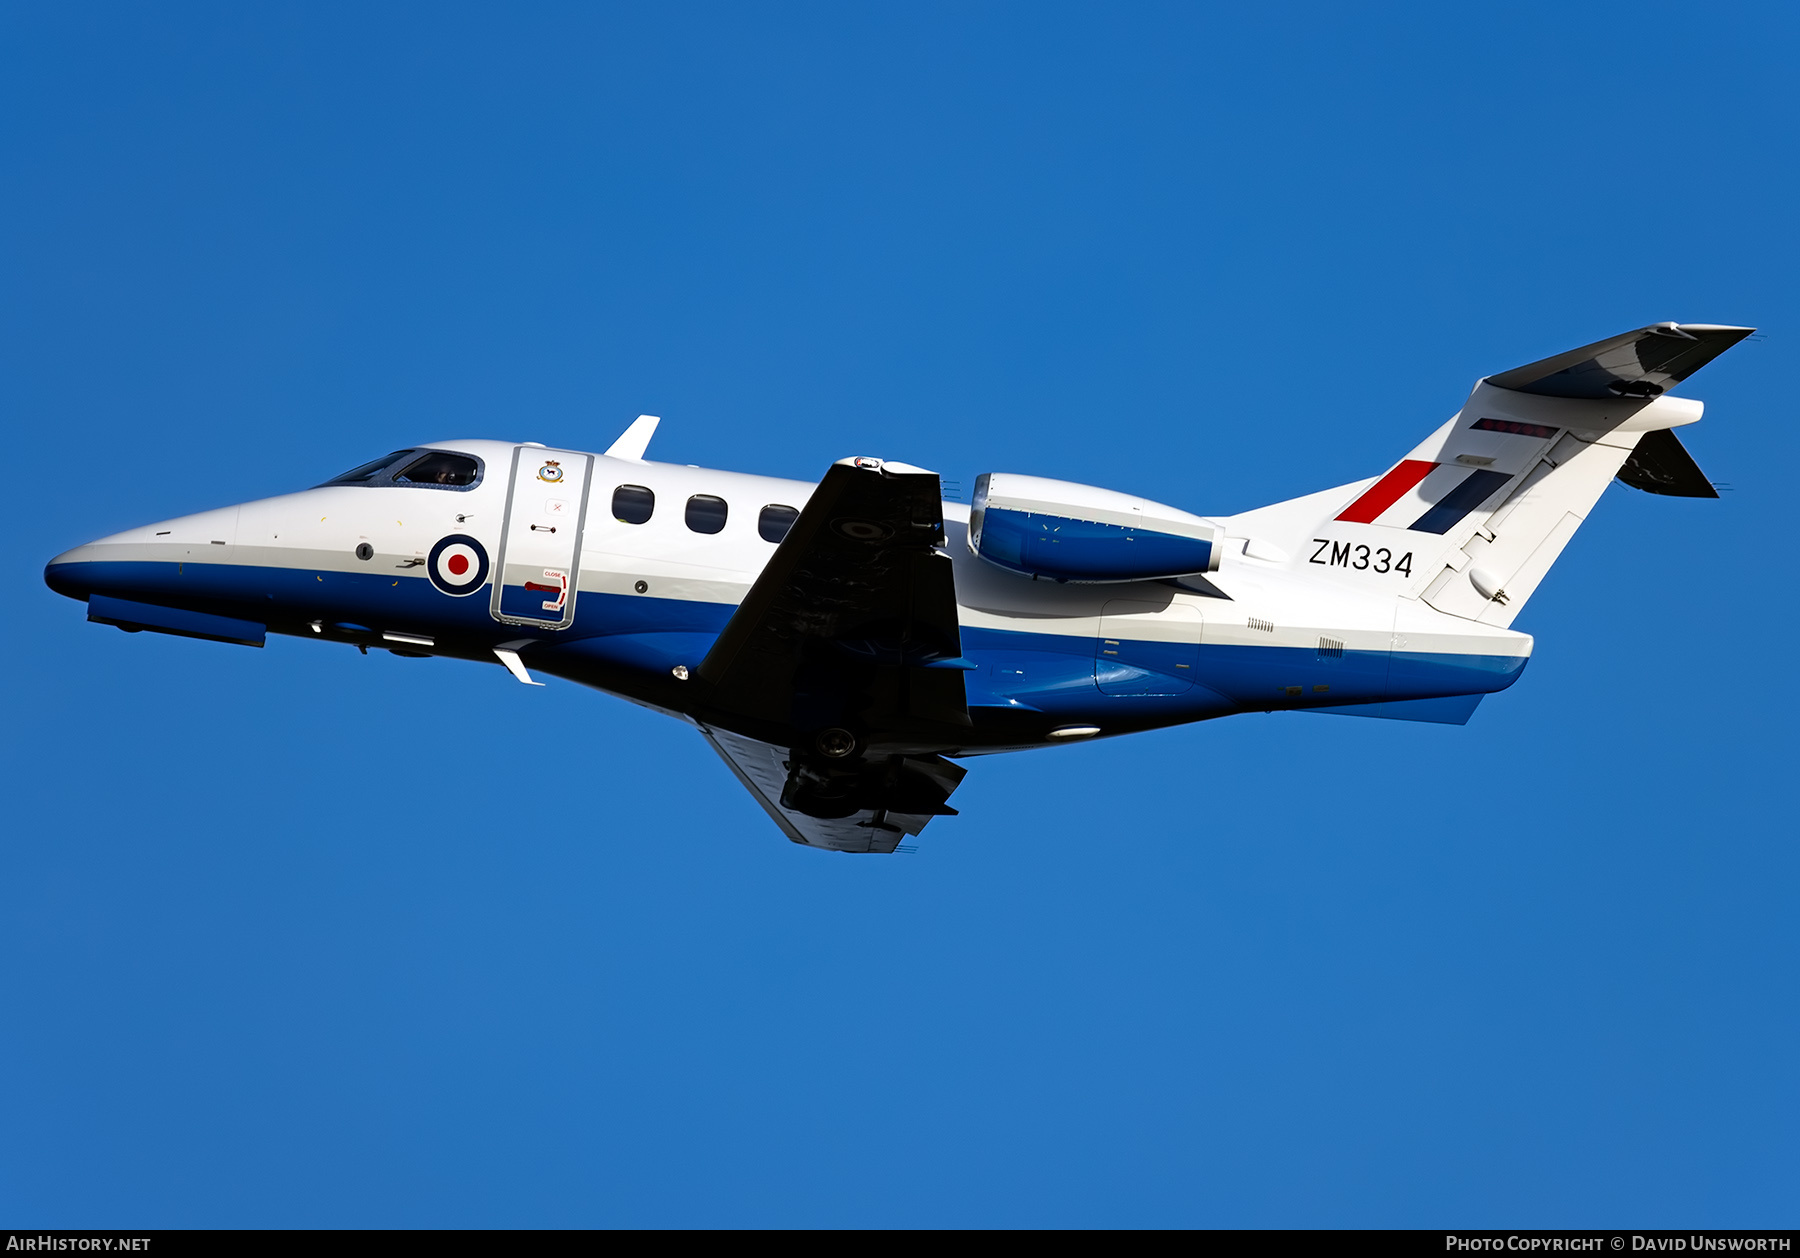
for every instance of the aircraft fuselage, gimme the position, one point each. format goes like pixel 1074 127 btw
pixel 633 608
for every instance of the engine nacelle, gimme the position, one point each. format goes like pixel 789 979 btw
pixel 1070 532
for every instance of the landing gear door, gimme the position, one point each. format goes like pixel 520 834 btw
pixel 540 548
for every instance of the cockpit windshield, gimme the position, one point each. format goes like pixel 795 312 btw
pixel 368 471
pixel 439 467
pixel 427 469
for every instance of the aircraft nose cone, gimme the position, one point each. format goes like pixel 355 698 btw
pixel 71 573
pixel 137 562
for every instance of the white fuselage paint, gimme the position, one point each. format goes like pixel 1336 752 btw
pixel 1274 601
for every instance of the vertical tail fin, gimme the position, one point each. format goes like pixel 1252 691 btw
pixel 1483 507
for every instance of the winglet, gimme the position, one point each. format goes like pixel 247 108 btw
pixel 634 440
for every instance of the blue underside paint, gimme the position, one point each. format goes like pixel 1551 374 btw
pixel 1081 550
pixel 652 652
pixel 1451 710
pixel 1064 677
pixel 187 624
pixel 1047 672
pixel 1123 666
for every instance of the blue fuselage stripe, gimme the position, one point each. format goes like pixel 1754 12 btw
pixel 1061 675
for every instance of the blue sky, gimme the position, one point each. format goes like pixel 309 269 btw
pixel 298 937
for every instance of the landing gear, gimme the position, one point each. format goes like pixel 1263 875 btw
pixel 835 743
pixel 917 786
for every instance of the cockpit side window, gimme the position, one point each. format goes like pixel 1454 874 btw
pixel 369 471
pixel 440 469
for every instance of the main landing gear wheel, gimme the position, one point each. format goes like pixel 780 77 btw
pixel 835 744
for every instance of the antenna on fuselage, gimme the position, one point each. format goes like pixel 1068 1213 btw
pixel 634 440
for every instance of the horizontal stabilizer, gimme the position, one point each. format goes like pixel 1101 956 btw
pixel 1661 465
pixel 1640 364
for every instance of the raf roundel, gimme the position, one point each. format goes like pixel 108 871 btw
pixel 458 565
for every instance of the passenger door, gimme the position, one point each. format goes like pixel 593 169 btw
pixel 540 547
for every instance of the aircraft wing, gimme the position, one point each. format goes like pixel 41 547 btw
pixel 852 624
pixel 763 769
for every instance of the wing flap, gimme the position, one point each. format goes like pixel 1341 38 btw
pixel 764 769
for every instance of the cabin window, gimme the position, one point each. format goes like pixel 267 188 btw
pixel 706 514
pixel 440 469
pixel 633 504
pixel 775 521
